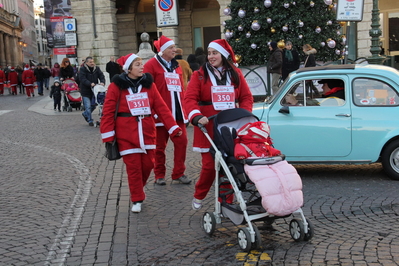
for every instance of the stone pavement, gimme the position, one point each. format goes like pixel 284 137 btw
pixel 63 203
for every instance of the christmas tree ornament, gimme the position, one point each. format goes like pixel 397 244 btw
pixel 281 44
pixel 238 58
pixel 286 5
pixel 256 10
pixel 273 30
pixel 300 36
pixel 248 35
pixel 328 2
pixel 329 22
pixel 269 20
pixel 331 43
pixel 337 52
pixel 343 39
pixel 267 3
pixel 241 13
pixel 300 24
pixel 318 29
pixel 224 23
pixel 338 32
pixel 228 34
pixel 322 44
pixel 342 23
pixel 334 9
pixel 253 46
pixel 240 28
pixel 285 28
pixel 227 11
pixel 293 3
pixel 255 25
pixel 311 3
pixel 330 7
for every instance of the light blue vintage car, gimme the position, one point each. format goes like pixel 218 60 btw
pixel 362 128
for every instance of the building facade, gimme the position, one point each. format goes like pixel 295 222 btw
pixel 112 28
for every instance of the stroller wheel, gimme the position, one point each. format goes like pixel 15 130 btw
pixel 258 238
pixel 310 232
pixel 297 230
pixel 208 223
pixel 244 239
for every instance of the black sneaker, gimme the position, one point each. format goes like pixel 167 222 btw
pixel 160 181
pixel 91 124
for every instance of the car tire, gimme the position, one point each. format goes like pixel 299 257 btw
pixel 390 159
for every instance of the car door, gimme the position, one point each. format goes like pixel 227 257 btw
pixel 311 131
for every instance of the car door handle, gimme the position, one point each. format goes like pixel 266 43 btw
pixel 345 115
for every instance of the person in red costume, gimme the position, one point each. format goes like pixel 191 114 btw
pixel 253 141
pixel 134 128
pixel 13 80
pixel 28 80
pixel 2 81
pixel 202 100
pixel 168 77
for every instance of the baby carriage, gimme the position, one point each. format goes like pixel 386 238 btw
pixel 248 205
pixel 71 95
pixel 99 92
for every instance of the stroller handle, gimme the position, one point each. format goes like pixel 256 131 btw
pixel 202 127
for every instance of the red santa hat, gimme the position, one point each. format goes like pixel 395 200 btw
pixel 162 43
pixel 126 61
pixel 223 47
pixel 26 67
pixel 256 131
pixel 12 68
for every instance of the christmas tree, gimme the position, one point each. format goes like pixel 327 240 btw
pixel 255 23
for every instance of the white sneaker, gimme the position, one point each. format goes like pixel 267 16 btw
pixel 136 207
pixel 196 204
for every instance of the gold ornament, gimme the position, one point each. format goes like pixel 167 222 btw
pixel 330 7
pixel 342 23
pixel 273 30
pixel 238 58
pixel 281 44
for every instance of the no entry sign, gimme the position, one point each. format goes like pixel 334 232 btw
pixel 166 12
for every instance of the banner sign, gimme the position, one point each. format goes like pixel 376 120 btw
pixel 62 51
pixel 55 9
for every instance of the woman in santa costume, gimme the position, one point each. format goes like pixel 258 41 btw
pixel 13 80
pixel 134 127
pixel 28 80
pixel 217 80
pixel 168 77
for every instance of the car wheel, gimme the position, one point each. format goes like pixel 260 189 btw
pixel 390 159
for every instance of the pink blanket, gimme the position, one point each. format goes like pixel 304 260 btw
pixel 279 185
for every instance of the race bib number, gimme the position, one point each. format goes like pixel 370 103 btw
pixel 223 97
pixel 139 104
pixel 173 82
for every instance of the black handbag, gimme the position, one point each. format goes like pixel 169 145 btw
pixel 111 148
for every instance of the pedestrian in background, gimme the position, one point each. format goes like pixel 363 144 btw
pixel 291 60
pixel 55 71
pixel 185 67
pixel 39 75
pixel 3 81
pixel 19 71
pixel 13 80
pixel 218 70
pixel 309 52
pixel 274 65
pixel 55 93
pixel 89 76
pixel 200 56
pixel 192 61
pixel 28 80
pixel 66 70
pixel 47 75
pixel 112 68
pixel 168 79
pixel 134 128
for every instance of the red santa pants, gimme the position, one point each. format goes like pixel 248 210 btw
pixel 29 90
pixel 138 168
pixel 180 149
pixel 1 89
pixel 207 176
pixel 14 89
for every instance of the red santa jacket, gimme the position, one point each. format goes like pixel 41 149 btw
pixel 199 90
pixel 154 67
pixel 2 77
pixel 28 78
pixel 133 134
pixel 13 78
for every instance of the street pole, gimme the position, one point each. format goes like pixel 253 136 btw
pixel 375 33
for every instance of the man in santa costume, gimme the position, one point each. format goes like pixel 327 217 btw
pixel 13 80
pixel 168 78
pixel 3 80
pixel 28 80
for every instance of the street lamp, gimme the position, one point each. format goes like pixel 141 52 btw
pixel 375 33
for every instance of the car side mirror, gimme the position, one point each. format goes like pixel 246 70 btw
pixel 284 110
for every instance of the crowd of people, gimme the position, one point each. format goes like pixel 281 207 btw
pixel 147 105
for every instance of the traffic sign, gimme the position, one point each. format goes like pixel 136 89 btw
pixel 69 24
pixel 166 12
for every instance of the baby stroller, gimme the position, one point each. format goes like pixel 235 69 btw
pixel 248 205
pixel 99 92
pixel 71 95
